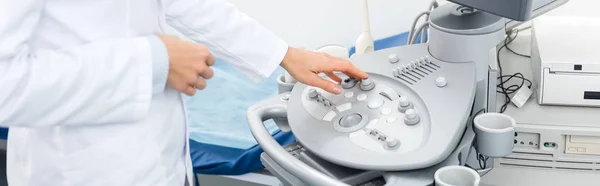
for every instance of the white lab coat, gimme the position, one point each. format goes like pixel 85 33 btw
pixel 82 87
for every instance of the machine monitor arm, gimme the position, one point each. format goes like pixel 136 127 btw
pixel 519 10
pixel 516 11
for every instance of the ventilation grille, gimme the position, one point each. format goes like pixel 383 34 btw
pixel 546 161
pixel 415 71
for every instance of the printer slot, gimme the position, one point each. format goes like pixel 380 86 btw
pixel 569 88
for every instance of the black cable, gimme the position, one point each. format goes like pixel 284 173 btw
pixel 507 91
pixel 480 157
pixel 511 50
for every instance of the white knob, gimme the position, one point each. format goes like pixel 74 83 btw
pixel 411 117
pixel 391 143
pixel 426 59
pixel 409 67
pixel 312 93
pixel 411 114
pixel 400 71
pixel 393 58
pixel 404 101
pixel 440 82
pixel 404 69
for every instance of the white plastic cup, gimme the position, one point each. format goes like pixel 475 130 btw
pixel 456 176
pixel 494 134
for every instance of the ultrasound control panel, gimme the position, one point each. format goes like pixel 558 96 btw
pixel 373 114
pixel 408 114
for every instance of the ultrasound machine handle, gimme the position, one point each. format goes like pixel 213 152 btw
pixel 275 109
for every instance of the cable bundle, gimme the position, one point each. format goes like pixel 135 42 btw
pixel 501 88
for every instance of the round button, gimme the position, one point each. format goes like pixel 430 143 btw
pixel 312 93
pixel 386 111
pixel 391 119
pixel 404 101
pixel 375 103
pixel 440 82
pixel 348 83
pixel 348 94
pixel 392 143
pixel 393 58
pixel 350 120
pixel 361 97
pixel 367 84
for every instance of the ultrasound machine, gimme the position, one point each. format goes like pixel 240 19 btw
pixel 413 120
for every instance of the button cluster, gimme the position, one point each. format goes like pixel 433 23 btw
pixel 313 94
pixel 404 69
pixel 365 84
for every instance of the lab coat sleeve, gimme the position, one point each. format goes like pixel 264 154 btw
pixel 230 34
pixel 109 81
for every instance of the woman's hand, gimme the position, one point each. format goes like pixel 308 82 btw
pixel 305 67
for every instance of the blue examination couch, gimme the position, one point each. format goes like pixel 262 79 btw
pixel 219 160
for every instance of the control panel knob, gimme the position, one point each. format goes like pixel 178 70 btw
pixel 392 143
pixel 404 101
pixel 411 117
pixel 440 82
pixel 348 83
pixel 404 104
pixel 312 93
pixel 367 84
pixel 393 58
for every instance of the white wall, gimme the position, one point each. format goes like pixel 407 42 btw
pixel 314 23
pixel 578 8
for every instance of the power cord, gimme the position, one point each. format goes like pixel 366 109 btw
pixel 507 91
